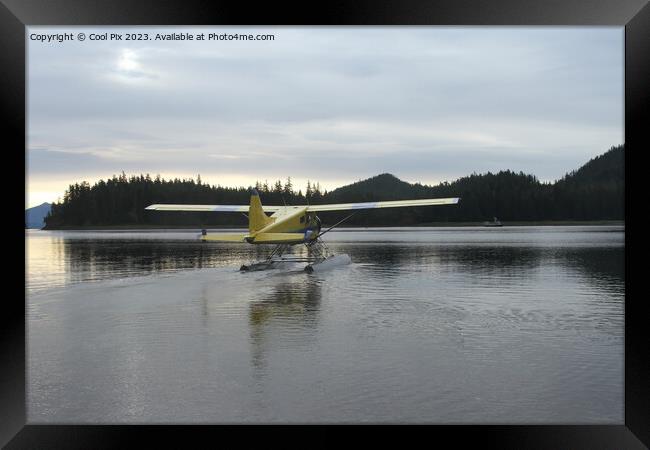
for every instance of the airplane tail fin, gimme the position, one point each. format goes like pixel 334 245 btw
pixel 257 219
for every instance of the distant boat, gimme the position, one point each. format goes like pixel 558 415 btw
pixel 494 223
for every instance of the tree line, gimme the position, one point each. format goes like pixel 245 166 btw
pixel 593 192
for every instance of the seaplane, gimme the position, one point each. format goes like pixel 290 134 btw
pixel 288 226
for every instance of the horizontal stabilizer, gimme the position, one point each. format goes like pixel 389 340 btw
pixel 208 208
pixel 225 237
pixel 388 204
pixel 279 238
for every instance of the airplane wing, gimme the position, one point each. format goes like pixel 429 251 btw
pixel 208 208
pixel 330 207
pixel 388 204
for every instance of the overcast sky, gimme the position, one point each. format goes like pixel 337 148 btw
pixel 328 104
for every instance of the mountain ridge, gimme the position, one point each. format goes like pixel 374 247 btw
pixel 595 191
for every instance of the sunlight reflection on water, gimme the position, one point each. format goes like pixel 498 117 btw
pixel 453 325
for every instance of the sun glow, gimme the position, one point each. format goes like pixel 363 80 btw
pixel 128 61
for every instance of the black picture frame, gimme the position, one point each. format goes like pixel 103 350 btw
pixel 15 15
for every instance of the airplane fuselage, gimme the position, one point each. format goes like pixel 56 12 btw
pixel 293 219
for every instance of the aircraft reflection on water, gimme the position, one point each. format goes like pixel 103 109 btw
pixel 294 304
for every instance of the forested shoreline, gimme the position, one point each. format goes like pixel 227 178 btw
pixel 594 192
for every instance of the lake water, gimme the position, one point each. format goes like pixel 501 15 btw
pixel 427 325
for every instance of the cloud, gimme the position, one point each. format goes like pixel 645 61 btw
pixel 329 104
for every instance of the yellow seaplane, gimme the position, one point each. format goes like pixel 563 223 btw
pixel 291 225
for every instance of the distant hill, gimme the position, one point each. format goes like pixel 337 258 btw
pixel 595 191
pixel 385 187
pixel 606 168
pixel 35 216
